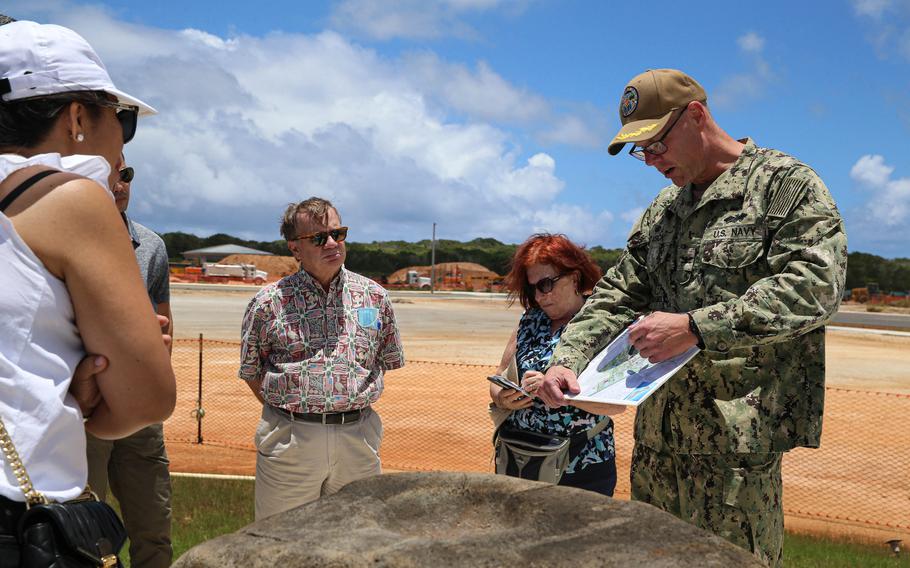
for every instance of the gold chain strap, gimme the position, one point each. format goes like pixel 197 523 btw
pixel 32 495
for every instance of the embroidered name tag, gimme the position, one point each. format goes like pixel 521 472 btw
pixel 738 232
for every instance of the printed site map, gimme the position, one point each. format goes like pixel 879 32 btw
pixel 620 375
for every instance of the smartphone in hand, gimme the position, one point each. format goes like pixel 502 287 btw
pixel 506 384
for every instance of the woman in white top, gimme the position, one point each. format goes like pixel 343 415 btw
pixel 69 281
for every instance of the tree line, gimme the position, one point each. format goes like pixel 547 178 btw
pixel 381 258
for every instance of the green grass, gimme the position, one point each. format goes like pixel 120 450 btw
pixel 203 509
pixel 206 508
pixel 811 552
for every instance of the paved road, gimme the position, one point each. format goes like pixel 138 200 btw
pixel 898 322
pixel 218 315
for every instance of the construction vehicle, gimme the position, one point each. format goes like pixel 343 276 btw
pixel 414 279
pixel 210 272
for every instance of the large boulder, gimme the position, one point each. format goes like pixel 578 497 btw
pixel 447 520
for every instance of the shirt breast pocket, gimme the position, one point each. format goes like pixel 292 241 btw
pixel 366 342
pixel 731 266
pixel 366 335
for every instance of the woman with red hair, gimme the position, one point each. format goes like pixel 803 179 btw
pixel 551 277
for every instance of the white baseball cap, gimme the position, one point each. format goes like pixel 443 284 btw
pixel 45 59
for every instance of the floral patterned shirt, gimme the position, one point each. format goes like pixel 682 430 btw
pixel 320 351
pixel 534 347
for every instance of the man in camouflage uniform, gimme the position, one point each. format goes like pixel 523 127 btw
pixel 744 255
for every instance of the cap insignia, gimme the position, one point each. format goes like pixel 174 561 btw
pixel 629 101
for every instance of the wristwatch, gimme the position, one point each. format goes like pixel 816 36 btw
pixel 694 329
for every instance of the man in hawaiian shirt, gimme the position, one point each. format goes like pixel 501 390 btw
pixel 315 346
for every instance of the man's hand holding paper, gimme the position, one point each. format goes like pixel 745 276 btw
pixel 660 335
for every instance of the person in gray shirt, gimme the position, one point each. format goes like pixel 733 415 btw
pixel 136 467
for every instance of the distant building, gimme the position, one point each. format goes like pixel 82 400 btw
pixel 214 254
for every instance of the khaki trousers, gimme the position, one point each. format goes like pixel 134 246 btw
pixel 136 468
pixel 298 462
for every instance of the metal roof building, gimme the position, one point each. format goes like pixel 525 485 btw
pixel 214 254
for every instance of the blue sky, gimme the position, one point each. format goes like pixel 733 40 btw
pixel 489 117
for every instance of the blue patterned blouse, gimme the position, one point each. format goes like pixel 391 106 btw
pixel 533 351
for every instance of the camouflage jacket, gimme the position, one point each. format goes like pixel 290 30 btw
pixel 760 263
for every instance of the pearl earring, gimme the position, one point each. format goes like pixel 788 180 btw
pixel 80 137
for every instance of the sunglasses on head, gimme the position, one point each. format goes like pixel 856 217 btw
pixel 322 237
pixel 126 174
pixel 545 285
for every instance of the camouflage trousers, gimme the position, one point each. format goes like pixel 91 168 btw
pixel 735 496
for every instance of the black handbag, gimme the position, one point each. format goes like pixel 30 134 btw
pixel 84 533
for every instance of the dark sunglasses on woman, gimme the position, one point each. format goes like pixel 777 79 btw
pixel 127 116
pixel 322 237
pixel 545 285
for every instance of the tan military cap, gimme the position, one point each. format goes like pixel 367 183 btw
pixel 648 101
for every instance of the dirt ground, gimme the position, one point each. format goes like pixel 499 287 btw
pixel 855 484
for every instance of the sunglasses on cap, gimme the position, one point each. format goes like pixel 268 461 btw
pixel 322 237
pixel 545 285
pixel 127 174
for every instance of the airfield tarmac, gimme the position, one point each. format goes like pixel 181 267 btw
pixel 474 331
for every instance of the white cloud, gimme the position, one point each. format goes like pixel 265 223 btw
pixel 632 215
pixel 748 85
pixel 580 224
pixel 871 8
pixel 414 19
pixel 887 24
pixel 587 127
pixel 751 42
pixel 889 205
pixel 248 124
pixel 480 93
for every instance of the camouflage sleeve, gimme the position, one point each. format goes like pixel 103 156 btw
pixel 807 257
pixel 618 298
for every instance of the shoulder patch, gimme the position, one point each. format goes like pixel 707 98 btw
pixel 791 189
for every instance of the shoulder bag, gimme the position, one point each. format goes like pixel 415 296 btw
pixel 83 533
pixel 537 456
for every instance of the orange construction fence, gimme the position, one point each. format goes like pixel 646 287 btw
pixel 435 419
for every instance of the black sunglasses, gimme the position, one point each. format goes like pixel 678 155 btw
pixel 322 237
pixel 127 174
pixel 127 116
pixel 545 285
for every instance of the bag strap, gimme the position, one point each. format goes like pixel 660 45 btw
pixel 20 189
pixel 32 495
pixel 580 440
pixel 598 428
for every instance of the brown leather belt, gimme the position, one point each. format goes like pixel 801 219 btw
pixel 348 417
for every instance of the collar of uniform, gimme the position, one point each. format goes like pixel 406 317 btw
pixel 132 230
pixel 309 281
pixel 729 184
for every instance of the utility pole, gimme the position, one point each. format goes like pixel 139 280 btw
pixel 433 261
